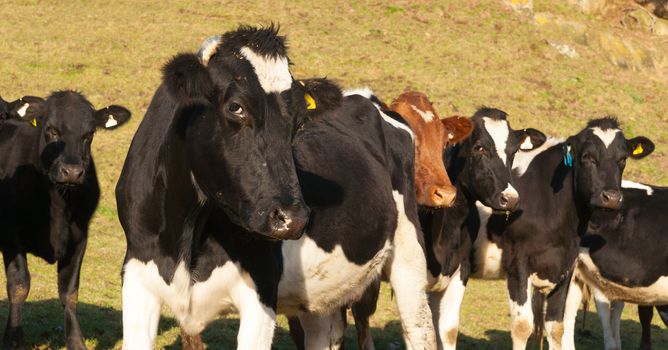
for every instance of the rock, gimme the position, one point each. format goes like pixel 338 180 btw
pixel 524 7
pixel 642 18
pixel 659 7
pixel 575 31
pixel 564 49
pixel 623 53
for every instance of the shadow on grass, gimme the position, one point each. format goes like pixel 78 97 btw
pixel 102 327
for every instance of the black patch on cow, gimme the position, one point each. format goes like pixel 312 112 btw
pixel 263 41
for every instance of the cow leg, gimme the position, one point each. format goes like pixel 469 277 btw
pixel 141 309
pixel 296 332
pixel 603 309
pixel 69 270
pixel 645 314
pixel 554 314
pixel 616 320
pixel 573 300
pixel 18 286
pixel 323 331
pixel 257 323
pixel 445 307
pixel 362 311
pixel 521 315
pixel 663 313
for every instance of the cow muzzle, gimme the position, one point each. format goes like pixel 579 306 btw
pixel 287 222
pixel 440 196
pixel 70 174
pixel 509 199
pixel 609 199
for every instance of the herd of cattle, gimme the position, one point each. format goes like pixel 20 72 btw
pixel 247 191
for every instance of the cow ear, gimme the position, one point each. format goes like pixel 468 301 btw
pixel 187 79
pixel 640 147
pixel 530 139
pixel 28 108
pixel 457 128
pixel 111 117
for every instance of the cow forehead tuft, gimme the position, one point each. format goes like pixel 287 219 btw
pixel 263 41
pixel 604 123
pixel 492 113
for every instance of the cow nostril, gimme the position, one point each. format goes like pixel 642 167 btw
pixel 279 216
pixel 503 200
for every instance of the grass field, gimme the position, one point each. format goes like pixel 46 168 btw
pixel 463 54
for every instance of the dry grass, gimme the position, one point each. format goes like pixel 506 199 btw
pixel 463 54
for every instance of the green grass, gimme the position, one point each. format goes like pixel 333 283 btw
pixel 463 54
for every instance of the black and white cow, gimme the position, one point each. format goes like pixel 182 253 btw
pixel 480 167
pixel 49 192
pixel 191 193
pixel 560 184
pixel 645 314
pixel 623 257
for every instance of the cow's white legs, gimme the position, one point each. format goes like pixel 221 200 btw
pixel 323 332
pixel 573 300
pixel 615 319
pixel 521 318
pixel 446 308
pixel 257 323
pixel 408 277
pixel 605 311
pixel 141 309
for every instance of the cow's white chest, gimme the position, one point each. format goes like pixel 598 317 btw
pixel 654 294
pixel 487 253
pixel 319 281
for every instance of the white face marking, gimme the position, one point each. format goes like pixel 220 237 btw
pixel 22 111
pixel 498 130
pixel 523 159
pixel 272 72
pixel 396 124
pixel 526 144
pixel 110 122
pixel 427 116
pixel 606 136
pixel 638 186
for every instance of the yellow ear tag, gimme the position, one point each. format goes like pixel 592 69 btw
pixel 310 102
pixel 638 150
pixel 33 122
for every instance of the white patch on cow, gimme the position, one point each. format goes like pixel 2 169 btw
pixel 609 313
pixel 544 286
pixel 637 186
pixel 396 124
pixel 606 136
pixel 111 122
pixel 449 308
pixel 573 300
pixel 654 294
pixel 526 145
pixel 427 116
pixel 321 281
pixel 488 254
pixel 272 72
pixel 208 48
pixel 22 111
pixel 323 331
pixel 498 130
pixel 554 330
pixel 363 91
pixel 408 277
pixel 231 289
pixel 141 308
pixel 524 158
pixel 521 319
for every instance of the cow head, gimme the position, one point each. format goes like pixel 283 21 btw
pixel 432 136
pixel 67 123
pixel 598 156
pixel 236 97
pixel 482 164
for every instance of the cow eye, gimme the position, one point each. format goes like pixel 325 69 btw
pixel 236 109
pixel 478 148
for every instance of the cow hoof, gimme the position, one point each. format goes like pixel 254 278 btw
pixel 76 345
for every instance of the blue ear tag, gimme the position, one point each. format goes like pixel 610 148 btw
pixel 568 158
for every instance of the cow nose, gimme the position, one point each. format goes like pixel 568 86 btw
pixel 288 222
pixel 71 173
pixel 508 201
pixel 443 196
pixel 611 199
